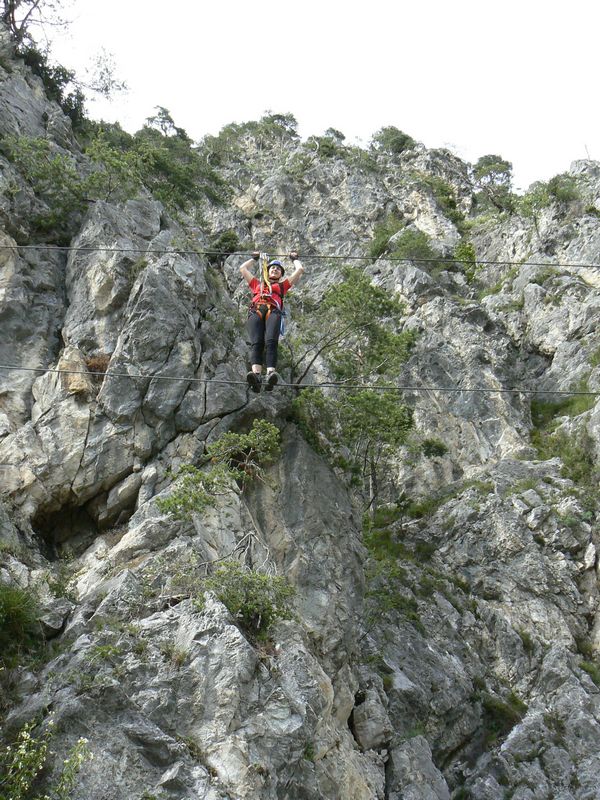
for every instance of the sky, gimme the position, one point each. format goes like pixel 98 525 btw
pixel 516 79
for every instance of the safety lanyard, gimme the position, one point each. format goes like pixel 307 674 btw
pixel 264 263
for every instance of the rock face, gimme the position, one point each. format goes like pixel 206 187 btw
pixel 461 663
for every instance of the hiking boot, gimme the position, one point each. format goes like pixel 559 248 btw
pixel 272 379
pixel 254 381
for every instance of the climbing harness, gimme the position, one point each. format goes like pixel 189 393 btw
pixel 263 310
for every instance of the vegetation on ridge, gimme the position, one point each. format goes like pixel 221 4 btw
pixel 158 159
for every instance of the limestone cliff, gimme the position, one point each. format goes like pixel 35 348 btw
pixel 448 653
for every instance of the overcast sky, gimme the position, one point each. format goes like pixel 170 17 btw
pixel 517 78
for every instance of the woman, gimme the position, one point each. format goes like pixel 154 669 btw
pixel 264 316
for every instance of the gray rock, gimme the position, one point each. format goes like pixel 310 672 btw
pixel 371 725
pixel 412 774
pixel 54 616
pixel 590 556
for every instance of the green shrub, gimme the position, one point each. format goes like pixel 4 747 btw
pixel 378 417
pixel 327 147
pixel 385 515
pixel 425 507
pixel 383 233
pixel 246 454
pixel 387 591
pixel 410 245
pixel 160 158
pixel 53 177
pixel 225 244
pixel 359 339
pixel 534 200
pixel 413 245
pixel 358 302
pixel 522 486
pixel 556 724
pixel 358 335
pixel 173 170
pixel 19 624
pixel 584 646
pixel 527 639
pixel 276 126
pixel 462 793
pixel 270 130
pixel 309 752
pixel 314 414
pixel 59 578
pixel 22 762
pixel 493 175
pixel 592 669
pixel 576 452
pixel 594 358
pixel 444 196
pixel 544 275
pixel 382 544
pixel 518 304
pixel 335 134
pixel 481 487
pixel 503 284
pixel 195 490
pixel 370 424
pixel 120 166
pixel 256 600
pixel 236 458
pixel 433 448
pixel 501 715
pixel 387 580
pixel 544 412
pixel 464 254
pixel 563 188
pixel 428 585
pixel 392 140
pixel 493 169
pixel 59 83
pixel 424 550
pixel 15 549
pixel 298 164
pixel 360 159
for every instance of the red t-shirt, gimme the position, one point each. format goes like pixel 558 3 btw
pixel 261 294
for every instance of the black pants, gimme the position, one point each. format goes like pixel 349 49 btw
pixel 264 330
